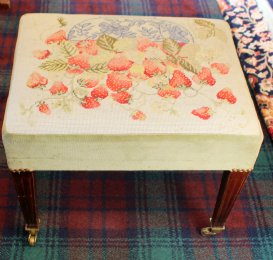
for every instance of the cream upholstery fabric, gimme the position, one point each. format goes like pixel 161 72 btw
pixel 128 93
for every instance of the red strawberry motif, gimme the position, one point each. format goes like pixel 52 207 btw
pixel 36 80
pixel 79 61
pixel 90 83
pixel 56 37
pixel 119 63
pixel 144 43
pixel 87 46
pixel 202 112
pixel 221 67
pixel 99 92
pixel 226 94
pixel 121 97
pixel 138 115
pixel 153 67
pixel 75 71
pixel 41 54
pixel 166 93
pixel 58 88
pixel 44 108
pixel 206 76
pixel 179 79
pixel 117 81
pixel 90 102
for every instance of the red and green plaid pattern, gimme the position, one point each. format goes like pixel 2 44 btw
pixel 130 215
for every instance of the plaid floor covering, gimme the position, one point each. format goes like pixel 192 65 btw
pixel 131 215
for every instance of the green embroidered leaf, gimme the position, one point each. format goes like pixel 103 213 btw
pixel 187 66
pixel 204 23
pixel 106 42
pixel 172 59
pixel 99 68
pixel 68 48
pixel 61 21
pixel 54 65
pixel 171 46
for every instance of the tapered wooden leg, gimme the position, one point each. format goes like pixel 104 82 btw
pixel 24 181
pixel 231 186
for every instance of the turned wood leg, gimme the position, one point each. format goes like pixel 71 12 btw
pixel 24 181
pixel 4 4
pixel 231 186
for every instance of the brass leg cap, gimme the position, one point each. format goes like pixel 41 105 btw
pixel 211 231
pixel 32 239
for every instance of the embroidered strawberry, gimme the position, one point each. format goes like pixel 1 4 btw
pixel 87 46
pixel 144 43
pixel 99 92
pixel 75 70
pixel 90 102
pixel 122 97
pixel 226 94
pixel 56 37
pixel 119 63
pixel 153 67
pixel 166 93
pixel 36 80
pixel 205 76
pixel 41 54
pixel 202 112
pixel 221 67
pixel 179 79
pixel 138 115
pixel 88 83
pixel 117 81
pixel 44 108
pixel 79 61
pixel 58 88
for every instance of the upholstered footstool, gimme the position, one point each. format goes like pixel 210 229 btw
pixel 108 93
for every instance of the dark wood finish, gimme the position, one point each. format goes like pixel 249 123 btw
pixel 231 186
pixel 4 4
pixel 25 187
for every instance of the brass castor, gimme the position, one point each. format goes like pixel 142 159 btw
pixel 32 237
pixel 211 231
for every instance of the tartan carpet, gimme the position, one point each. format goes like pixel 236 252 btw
pixel 131 215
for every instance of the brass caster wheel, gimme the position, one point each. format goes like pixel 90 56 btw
pixel 211 231
pixel 33 232
pixel 32 239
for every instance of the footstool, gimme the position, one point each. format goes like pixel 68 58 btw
pixel 108 93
